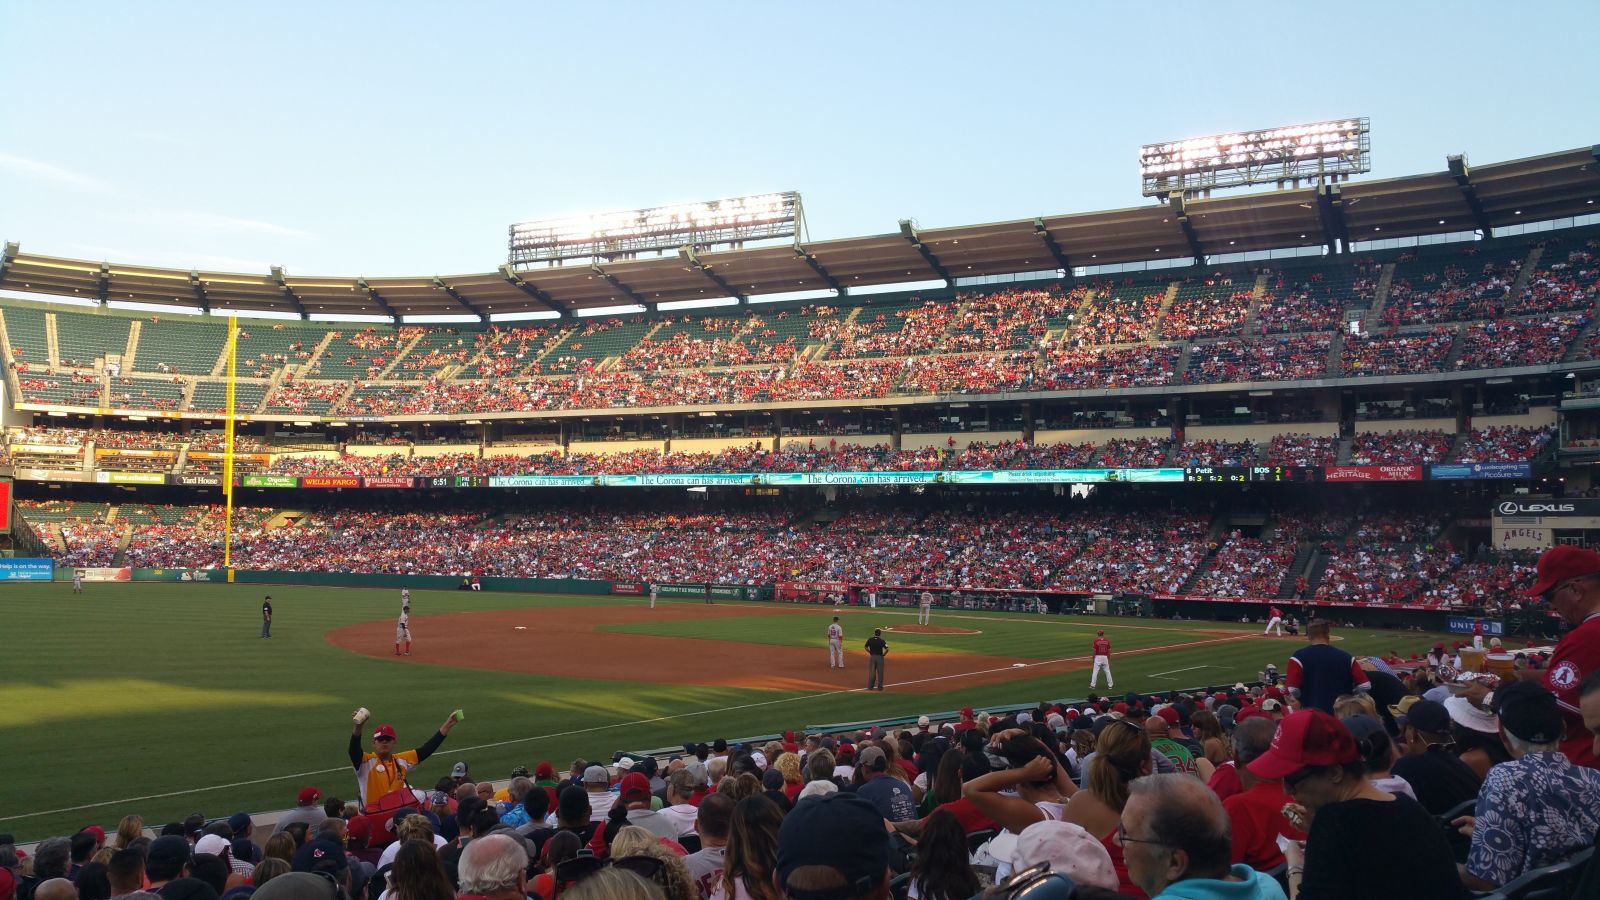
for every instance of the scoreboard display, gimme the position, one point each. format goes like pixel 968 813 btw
pixel 1216 474
pixel 1242 474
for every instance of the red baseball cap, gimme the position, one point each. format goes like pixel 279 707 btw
pixel 1562 562
pixel 1170 714
pixel 384 731
pixel 1273 693
pixel 634 787
pixel 544 770
pixel 1307 738
pixel 1100 634
pixel 309 795
pixel 1119 707
pixel 966 712
pixel 98 832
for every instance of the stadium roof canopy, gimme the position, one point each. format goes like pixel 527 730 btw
pixel 1540 188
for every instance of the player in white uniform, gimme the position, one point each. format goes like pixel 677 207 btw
pixel 1274 620
pixel 77 581
pixel 872 598
pixel 925 608
pixel 835 645
pixel 1102 660
pixel 405 598
pixel 653 592
pixel 402 631
pixel 1477 634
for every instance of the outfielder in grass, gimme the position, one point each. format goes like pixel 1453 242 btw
pixel 383 771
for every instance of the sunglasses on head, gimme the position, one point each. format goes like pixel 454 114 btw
pixel 576 869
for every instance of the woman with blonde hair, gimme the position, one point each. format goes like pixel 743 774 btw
pixel 130 829
pixel 1347 705
pixel 793 781
pixel 752 853
pixel 1122 753
pixel 612 883
pixel 1209 735
pixel 673 875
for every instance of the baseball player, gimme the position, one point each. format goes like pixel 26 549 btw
pixel 925 608
pixel 1477 634
pixel 835 645
pixel 266 617
pixel 402 631
pixel 1274 620
pixel 405 598
pixel 653 592
pixel 77 581
pixel 1102 660
pixel 872 598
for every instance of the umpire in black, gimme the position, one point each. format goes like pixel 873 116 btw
pixel 876 649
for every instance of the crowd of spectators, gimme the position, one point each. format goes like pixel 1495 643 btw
pixel 1471 288
pixel 1507 343
pixel 1508 443
pixel 1289 358
pixel 1099 367
pixel 1569 281
pixel 1399 447
pixel 1302 450
pixel 1219 310
pixel 1246 567
pixel 1390 353
pixel 1216 453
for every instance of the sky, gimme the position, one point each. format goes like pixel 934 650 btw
pixel 395 138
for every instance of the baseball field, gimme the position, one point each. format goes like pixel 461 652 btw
pixel 162 699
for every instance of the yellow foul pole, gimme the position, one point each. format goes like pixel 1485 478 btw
pixel 232 350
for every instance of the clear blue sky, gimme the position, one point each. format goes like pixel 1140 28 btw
pixel 399 138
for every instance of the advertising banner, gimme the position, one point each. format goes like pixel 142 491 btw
pixel 261 458
pixel 1287 604
pixel 102 574
pixel 269 481
pixel 330 481
pixel 724 592
pixel 27 569
pixel 1563 507
pixel 535 481
pixel 1372 473
pixel 629 589
pixel 114 451
pixel 198 480
pixel 183 575
pixel 49 475
pixel 46 449
pixel 1523 537
pixel 5 505
pixel 1481 470
pixel 104 477
pixel 388 481
pixel 1463 625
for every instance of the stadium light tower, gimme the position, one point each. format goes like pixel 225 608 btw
pixel 1317 153
pixel 609 236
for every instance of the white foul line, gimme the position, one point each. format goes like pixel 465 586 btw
pixel 1176 671
pixel 636 722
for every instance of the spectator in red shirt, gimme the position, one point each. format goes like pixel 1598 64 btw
pixel 1569 580
pixel 1257 810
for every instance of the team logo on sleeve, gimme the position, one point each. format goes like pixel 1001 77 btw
pixel 1564 676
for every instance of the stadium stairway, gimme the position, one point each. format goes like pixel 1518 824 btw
pixel 1457 347
pixel 1160 320
pixel 130 351
pixel 53 348
pixel 1256 296
pixel 1346 445
pixel 1576 350
pixel 404 352
pixel 1521 282
pixel 11 372
pixel 1380 294
pixel 1303 553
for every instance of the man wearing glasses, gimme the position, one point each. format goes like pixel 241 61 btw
pixel 1569 581
pixel 1176 843
pixel 384 771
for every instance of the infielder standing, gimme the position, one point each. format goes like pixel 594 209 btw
pixel 402 631
pixel 1102 660
pixel 925 608
pixel 77 581
pixel 653 591
pixel 1477 634
pixel 405 598
pixel 835 645
pixel 266 617
pixel 1274 620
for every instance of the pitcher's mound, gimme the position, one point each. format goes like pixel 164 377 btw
pixel 930 629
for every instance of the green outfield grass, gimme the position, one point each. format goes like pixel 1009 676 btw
pixel 161 699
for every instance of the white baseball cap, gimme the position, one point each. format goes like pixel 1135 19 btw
pixel 922 721
pixel 1069 849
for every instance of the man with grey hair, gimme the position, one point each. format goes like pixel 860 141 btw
pixel 1537 809
pixel 1256 810
pixel 494 868
pixel 1174 830
pixel 516 816
pixel 680 809
pixel 51 860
